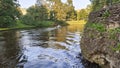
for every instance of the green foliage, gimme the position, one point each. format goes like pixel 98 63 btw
pixel 71 13
pixel 51 15
pixel 38 12
pixel 43 13
pixel 60 22
pixel 106 14
pixel 28 20
pixel 44 23
pixel 97 26
pixel 62 11
pixel 83 13
pixel 6 21
pixel 113 33
pixel 36 16
pixel 116 48
pixel 19 24
pixel 98 4
pixel 8 13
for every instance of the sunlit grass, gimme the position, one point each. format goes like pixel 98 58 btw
pixel 18 26
pixel 77 22
pixel 4 29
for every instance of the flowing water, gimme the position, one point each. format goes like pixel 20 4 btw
pixel 42 48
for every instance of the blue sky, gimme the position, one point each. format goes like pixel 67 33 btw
pixel 79 4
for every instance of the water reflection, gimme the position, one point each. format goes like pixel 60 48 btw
pixel 9 49
pixel 41 48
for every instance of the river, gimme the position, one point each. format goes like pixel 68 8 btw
pixel 42 48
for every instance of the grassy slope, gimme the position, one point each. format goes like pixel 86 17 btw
pixel 42 24
pixel 19 25
pixel 80 22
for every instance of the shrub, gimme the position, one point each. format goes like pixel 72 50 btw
pixel 97 26
pixel 106 14
pixel 60 22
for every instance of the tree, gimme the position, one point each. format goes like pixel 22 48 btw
pixel 54 10
pixel 83 13
pixel 58 8
pixel 41 8
pixel 42 13
pixel 8 12
pixel 35 14
pixel 71 13
pixel 62 11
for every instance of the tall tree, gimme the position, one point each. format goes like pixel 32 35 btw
pixel 41 8
pixel 61 11
pixel 8 12
pixel 58 9
pixel 71 13
pixel 70 2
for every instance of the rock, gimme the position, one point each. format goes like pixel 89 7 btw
pixel 103 47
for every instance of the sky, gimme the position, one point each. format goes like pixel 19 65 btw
pixel 79 4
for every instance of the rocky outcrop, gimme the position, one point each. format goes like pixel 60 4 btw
pixel 100 42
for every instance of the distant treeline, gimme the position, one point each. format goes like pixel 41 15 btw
pixel 43 13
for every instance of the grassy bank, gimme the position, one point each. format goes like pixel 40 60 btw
pixel 77 22
pixel 20 25
pixel 39 24
pixel 42 24
pixel 16 27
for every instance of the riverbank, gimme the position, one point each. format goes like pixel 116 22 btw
pixel 77 22
pixel 100 42
pixel 42 24
pixel 17 27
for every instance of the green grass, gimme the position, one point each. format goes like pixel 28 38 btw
pixel 106 14
pixel 76 22
pixel 62 23
pixel 20 25
pixel 113 33
pixel 97 26
pixel 44 24
pixel 3 29
pixel 16 27
pixel 116 48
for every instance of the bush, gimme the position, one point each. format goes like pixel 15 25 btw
pixel 106 14
pixel 98 26
pixel 44 23
pixel 60 22
pixel 6 21
pixel 28 20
